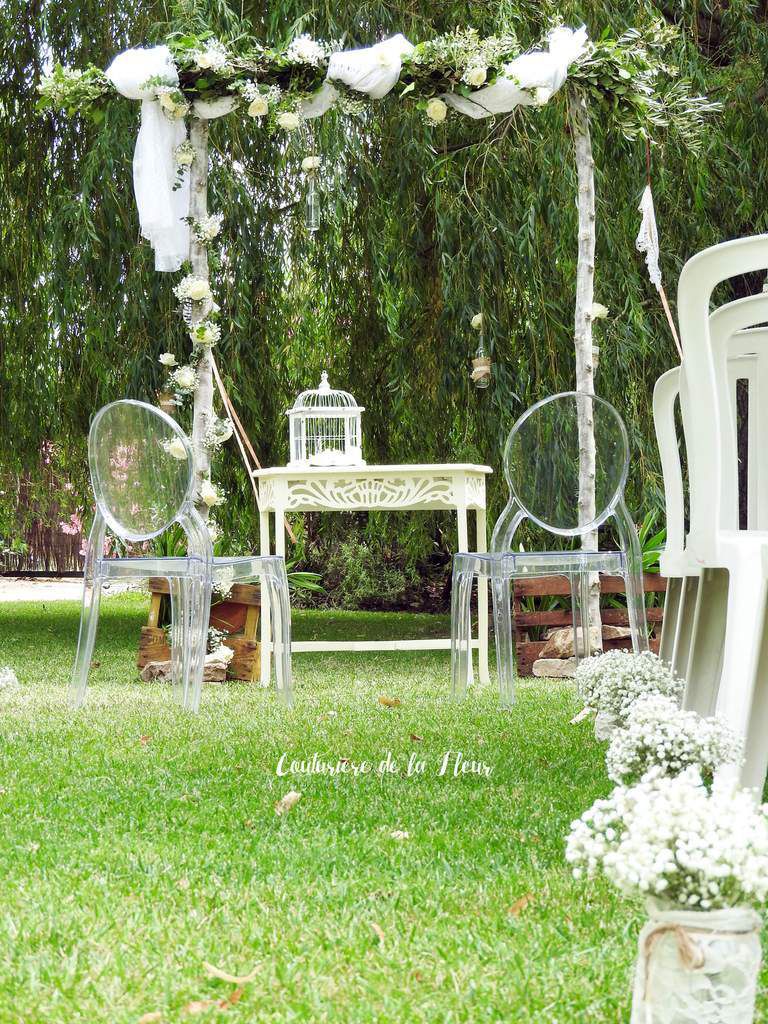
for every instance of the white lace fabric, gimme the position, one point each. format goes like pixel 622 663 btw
pixel 697 967
pixel 647 240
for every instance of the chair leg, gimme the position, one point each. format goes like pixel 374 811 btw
pixel 684 630
pixel 742 700
pixel 180 638
pixel 633 584
pixel 281 634
pixel 586 625
pixel 505 643
pixel 200 616
pixel 89 621
pixel 706 642
pixel 671 615
pixel 461 633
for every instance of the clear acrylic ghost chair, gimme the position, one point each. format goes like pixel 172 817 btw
pixel 542 459
pixel 142 473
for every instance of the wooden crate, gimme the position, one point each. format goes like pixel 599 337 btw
pixel 238 616
pixel 528 651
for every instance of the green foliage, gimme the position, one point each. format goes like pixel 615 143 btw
pixel 419 230
pixel 367 575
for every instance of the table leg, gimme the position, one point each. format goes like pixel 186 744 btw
pixel 482 602
pixel 266 632
pixel 461 519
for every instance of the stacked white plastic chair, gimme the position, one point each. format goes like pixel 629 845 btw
pixel 142 473
pixel 715 620
pixel 542 461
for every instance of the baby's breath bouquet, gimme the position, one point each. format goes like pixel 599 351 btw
pixel 700 856
pixel 609 684
pixel 658 733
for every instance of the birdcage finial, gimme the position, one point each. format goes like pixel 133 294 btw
pixel 324 385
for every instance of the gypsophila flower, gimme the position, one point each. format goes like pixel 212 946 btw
pixel 673 838
pixel 206 332
pixel 305 50
pixel 659 734
pixel 184 379
pixel 612 682
pixel 223 581
pixel 217 433
pixel 8 678
pixel 192 288
pixel 208 228
pixel 167 359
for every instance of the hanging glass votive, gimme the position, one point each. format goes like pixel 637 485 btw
pixel 310 165
pixel 481 364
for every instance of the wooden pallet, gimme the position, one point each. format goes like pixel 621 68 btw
pixel 528 651
pixel 238 616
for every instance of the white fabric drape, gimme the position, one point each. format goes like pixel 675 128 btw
pixel 161 209
pixel 542 70
pixel 647 240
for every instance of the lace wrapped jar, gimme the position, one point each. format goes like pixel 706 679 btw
pixel 697 966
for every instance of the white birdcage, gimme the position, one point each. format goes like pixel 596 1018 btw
pixel 325 428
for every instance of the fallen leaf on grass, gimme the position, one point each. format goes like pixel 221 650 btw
pixel 416 739
pixel 199 1006
pixel 584 713
pixel 398 833
pixel 149 1018
pixel 203 1005
pixel 144 740
pixel 519 905
pixel 236 979
pixel 284 804
pixel 95 664
pixel 234 997
pixel 389 702
pixel 378 931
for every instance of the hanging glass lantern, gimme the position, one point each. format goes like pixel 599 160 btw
pixel 481 364
pixel 310 165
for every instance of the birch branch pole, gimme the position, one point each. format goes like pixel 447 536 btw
pixel 585 366
pixel 203 403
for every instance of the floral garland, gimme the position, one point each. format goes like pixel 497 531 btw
pixel 626 76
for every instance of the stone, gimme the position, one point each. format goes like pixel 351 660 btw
pixel 215 670
pixel 555 668
pixel 560 641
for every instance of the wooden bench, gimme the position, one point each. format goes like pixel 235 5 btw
pixel 528 650
pixel 237 616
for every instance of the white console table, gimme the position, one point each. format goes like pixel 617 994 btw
pixel 459 488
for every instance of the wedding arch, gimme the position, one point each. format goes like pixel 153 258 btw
pixel 195 77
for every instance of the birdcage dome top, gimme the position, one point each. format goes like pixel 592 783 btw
pixel 325 399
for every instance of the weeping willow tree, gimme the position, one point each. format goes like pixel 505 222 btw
pixel 419 230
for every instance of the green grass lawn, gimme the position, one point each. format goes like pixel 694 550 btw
pixel 138 842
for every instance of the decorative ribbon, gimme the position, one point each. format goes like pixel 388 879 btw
pixel 647 242
pixel 161 209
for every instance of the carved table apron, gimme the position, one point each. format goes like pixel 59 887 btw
pixel 459 488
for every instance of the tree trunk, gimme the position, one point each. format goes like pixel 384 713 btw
pixel 585 368
pixel 198 208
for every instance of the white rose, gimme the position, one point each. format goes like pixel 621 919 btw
pixel 477 321
pixel 310 163
pixel 289 120
pixel 599 311
pixel 177 449
pixel 199 290
pixel 476 76
pixel 208 494
pixel 437 111
pixel 185 377
pixel 167 102
pixel 205 59
pixel 258 107
pixel 168 359
pixel 185 157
